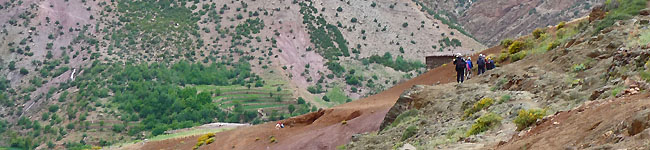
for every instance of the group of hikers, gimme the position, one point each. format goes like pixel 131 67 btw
pixel 464 66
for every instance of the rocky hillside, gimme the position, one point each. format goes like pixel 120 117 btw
pixel 82 73
pixel 492 21
pixel 573 86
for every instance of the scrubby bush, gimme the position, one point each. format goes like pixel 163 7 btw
pixel 405 24
pixel 561 25
pixel 503 57
pixel 484 123
pixel 478 106
pixel 578 67
pixel 537 33
pixel 553 45
pixel 24 71
pixel 518 56
pixel 526 118
pixel 506 42
pixel 409 132
pixel 353 20
pixel 516 46
pixel 504 98
pixel 339 9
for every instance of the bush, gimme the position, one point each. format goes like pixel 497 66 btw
pixel 503 57
pixel 484 123
pixel 561 25
pixel 506 42
pixel 537 33
pixel 478 106
pixel 578 67
pixel 409 132
pixel 518 56
pixel 625 9
pixel 515 47
pixel 405 24
pixel 526 118
pixel 553 45
pixel 24 71
pixel 504 98
pixel 353 20
pixel 339 9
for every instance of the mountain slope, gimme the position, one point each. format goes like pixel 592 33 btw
pixel 82 73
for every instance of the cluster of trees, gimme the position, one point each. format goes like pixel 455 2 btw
pixel 399 63
pixel 153 93
pixel 323 35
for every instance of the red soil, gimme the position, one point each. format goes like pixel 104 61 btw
pixel 322 129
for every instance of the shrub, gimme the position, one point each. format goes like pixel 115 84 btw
pixel 578 67
pixel 518 56
pixel 503 57
pixel 339 9
pixel 561 25
pixel 504 98
pixel 515 47
pixel 405 24
pixel 484 123
pixel 353 20
pixel 553 45
pixel 526 118
pixel 24 71
pixel 373 4
pixel 478 106
pixel 506 42
pixel 272 139
pixel 537 33
pixel 409 132
pixel 626 9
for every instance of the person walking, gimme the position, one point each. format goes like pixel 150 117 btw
pixel 468 71
pixel 490 64
pixel 481 64
pixel 460 68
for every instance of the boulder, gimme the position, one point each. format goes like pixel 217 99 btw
pixel 645 12
pixel 639 122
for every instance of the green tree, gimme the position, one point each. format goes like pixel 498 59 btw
pixel 291 108
pixel 24 71
pixel 12 65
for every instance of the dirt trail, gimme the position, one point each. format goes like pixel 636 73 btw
pixel 322 129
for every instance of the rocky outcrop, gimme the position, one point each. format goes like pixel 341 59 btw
pixel 404 103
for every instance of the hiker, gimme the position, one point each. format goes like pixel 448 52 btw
pixel 460 68
pixel 279 125
pixel 481 64
pixel 490 64
pixel 468 71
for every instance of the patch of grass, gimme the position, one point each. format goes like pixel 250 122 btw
pixel 526 118
pixel 403 117
pixel 186 134
pixel 409 132
pixel 626 9
pixel 341 147
pixel 484 123
pixel 336 95
pixel 478 106
pixel 617 90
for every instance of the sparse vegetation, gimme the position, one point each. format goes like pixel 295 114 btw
pixel 484 123
pixel 409 132
pixel 484 103
pixel 526 118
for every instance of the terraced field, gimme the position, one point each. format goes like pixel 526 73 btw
pixel 266 97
